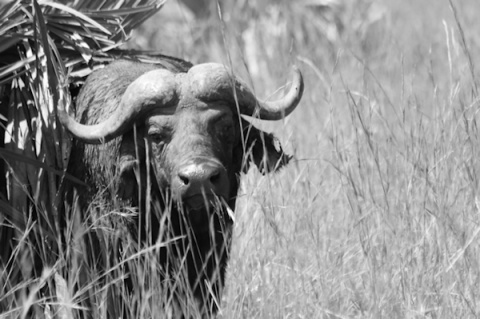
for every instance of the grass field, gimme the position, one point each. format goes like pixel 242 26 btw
pixel 378 215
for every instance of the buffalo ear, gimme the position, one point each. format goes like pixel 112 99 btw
pixel 263 149
pixel 127 181
pixel 127 167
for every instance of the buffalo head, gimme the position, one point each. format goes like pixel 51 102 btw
pixel 186 125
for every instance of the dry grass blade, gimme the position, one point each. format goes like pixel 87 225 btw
pixel 464 46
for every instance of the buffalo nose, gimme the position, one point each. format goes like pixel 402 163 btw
pixel 202 178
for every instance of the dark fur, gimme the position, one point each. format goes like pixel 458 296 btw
pixel 111 168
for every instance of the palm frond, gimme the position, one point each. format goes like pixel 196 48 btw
pixel 42 44
pixel 84 27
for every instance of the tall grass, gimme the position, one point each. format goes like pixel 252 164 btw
pixel 378 216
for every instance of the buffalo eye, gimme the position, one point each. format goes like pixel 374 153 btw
pixel 225 131
pixel 158 137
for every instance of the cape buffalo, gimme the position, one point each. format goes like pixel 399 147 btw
pixel 170 140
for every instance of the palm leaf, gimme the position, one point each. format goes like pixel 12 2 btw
pixel 44 46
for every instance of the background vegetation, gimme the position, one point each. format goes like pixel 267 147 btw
pixel 378 216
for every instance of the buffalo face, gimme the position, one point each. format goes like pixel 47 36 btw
pixel 193 158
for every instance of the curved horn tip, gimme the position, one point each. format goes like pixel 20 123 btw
pixel 277 110
pixel 298 77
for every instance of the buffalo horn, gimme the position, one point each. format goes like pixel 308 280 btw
pixel 212 81
pixel 155 88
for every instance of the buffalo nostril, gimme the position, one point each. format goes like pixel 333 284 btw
pixel 204 177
